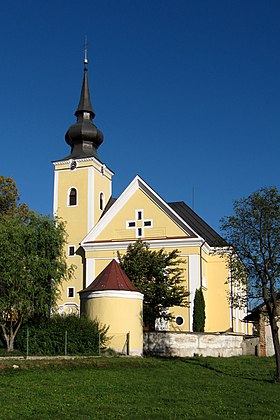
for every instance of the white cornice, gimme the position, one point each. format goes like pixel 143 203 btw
pixel 206 248
pixel 112 294
pixel 153 244
pixel 170 243
pixel 89 159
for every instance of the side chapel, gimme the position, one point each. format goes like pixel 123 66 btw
pixel 99 225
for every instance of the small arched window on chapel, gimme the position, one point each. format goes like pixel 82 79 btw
pixel 73 197
pixel 101 201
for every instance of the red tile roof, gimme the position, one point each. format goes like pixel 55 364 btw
pixel 111 278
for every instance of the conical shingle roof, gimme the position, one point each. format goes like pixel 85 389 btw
pixel 111 278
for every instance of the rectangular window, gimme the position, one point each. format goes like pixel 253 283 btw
pixel 139 231
pixel 147 223
pixel 71 250
pixel 70 292
pixel 139 215
pixel 131 224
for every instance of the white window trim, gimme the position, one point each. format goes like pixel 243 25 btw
pixel 74 292
pixel 179 316
pixel 68 197
pixel 137 235
pixel 136 214
pixel 147 220
pixel 140 222
pixel 130 221
pixel 71 246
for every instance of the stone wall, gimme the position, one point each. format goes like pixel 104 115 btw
pixel 202 344
pixel 265 346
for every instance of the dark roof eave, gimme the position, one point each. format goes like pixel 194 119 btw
pixel 198 224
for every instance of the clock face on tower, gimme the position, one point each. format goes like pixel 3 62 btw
pixel 73 165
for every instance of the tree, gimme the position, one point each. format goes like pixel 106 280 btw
pixel 9 199
pixel 156 274
pixel 32 265
pixel 253 255
pixel 199 311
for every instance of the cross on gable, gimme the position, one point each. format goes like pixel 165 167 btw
pixel 139 223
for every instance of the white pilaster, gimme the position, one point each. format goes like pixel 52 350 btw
pixel 55 193
pixel 90 198
pixel 90 275
pixel 194 282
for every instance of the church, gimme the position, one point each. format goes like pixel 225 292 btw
pixel 99 226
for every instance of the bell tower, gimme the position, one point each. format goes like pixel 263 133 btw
pixel 82 188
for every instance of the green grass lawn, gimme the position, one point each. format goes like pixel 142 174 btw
pixel 148 388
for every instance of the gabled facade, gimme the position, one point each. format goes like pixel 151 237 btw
pixel 99 227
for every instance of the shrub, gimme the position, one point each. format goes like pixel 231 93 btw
pixel 49 337
pixel 199 311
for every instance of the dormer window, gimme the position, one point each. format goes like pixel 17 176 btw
pixel 73 197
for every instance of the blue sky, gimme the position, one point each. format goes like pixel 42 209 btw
pixel 187 94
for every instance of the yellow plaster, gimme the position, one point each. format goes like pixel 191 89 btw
pixel 76 217
pixel 216 296
pixel 122 315
pixel 163 226
pixel 214 271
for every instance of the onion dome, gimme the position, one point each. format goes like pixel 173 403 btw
pixel 83 136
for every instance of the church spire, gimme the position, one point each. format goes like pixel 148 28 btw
pixel 83 136
pixel 85 104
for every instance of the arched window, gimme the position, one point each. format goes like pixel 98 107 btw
pixel 73 197
pixel 101 201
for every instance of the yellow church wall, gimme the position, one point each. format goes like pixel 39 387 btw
pixel 216 295
pixel 104 258
pixel 214 275
pixel 75 216
pixel 112 253
pixel 102 184
pixel 122 315
pixel 100 264
pixel 187 250
pixel 162 225
pixel 183 312
pixel 106 253
pixel 76 226
pixel 214 272
pixel 89 179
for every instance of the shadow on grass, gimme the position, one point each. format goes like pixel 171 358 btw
pixel 206 364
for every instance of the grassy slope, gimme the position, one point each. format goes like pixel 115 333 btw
pixel 149 388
